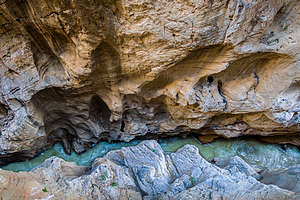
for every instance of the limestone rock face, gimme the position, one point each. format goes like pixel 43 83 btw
pixel 285 178
pixel 78 71
pixel 142 172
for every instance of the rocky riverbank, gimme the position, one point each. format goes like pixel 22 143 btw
pixel 145 171
pixel 78 72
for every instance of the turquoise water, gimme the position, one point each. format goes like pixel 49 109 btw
pixel 257 154
pixel 57 150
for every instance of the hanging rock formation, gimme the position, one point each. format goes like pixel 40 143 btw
pixel 78 71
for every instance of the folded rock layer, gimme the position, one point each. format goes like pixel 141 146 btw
pixel 81 71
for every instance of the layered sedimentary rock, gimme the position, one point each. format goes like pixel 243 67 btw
pixel 78 71
pixel 143 172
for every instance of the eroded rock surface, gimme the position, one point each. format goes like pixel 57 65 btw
pixel 80 71
pixel 285 178
pixel 141 172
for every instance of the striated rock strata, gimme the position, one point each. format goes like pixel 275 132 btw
pixel 78 71
pixel 143 172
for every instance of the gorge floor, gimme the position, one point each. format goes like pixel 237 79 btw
pixel 257 154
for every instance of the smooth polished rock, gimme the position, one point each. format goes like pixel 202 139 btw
pixel 140 172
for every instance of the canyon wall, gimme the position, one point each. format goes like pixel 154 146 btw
pixel 79 71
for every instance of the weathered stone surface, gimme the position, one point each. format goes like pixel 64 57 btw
pixel 80 71
pixel 285 178
pixel 236 165
pixel 20 186
pixel 141 172
pixel 207 138
pixel 282 139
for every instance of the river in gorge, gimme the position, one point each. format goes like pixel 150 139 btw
pixel 257 154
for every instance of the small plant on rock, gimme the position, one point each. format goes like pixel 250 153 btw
pixel 103 176
pixel 44 189
pixel 192 180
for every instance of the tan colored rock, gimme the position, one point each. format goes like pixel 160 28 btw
pixel 207 138
pixel 82 71
pixel 282 139
pixel 21 186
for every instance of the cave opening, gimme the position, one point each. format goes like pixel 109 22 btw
pixel 210 79
pixel 99 112
pixel 78 121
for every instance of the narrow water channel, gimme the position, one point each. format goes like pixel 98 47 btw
pixel 257 154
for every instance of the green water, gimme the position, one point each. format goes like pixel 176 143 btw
pixel 257 154
pixel 57 150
